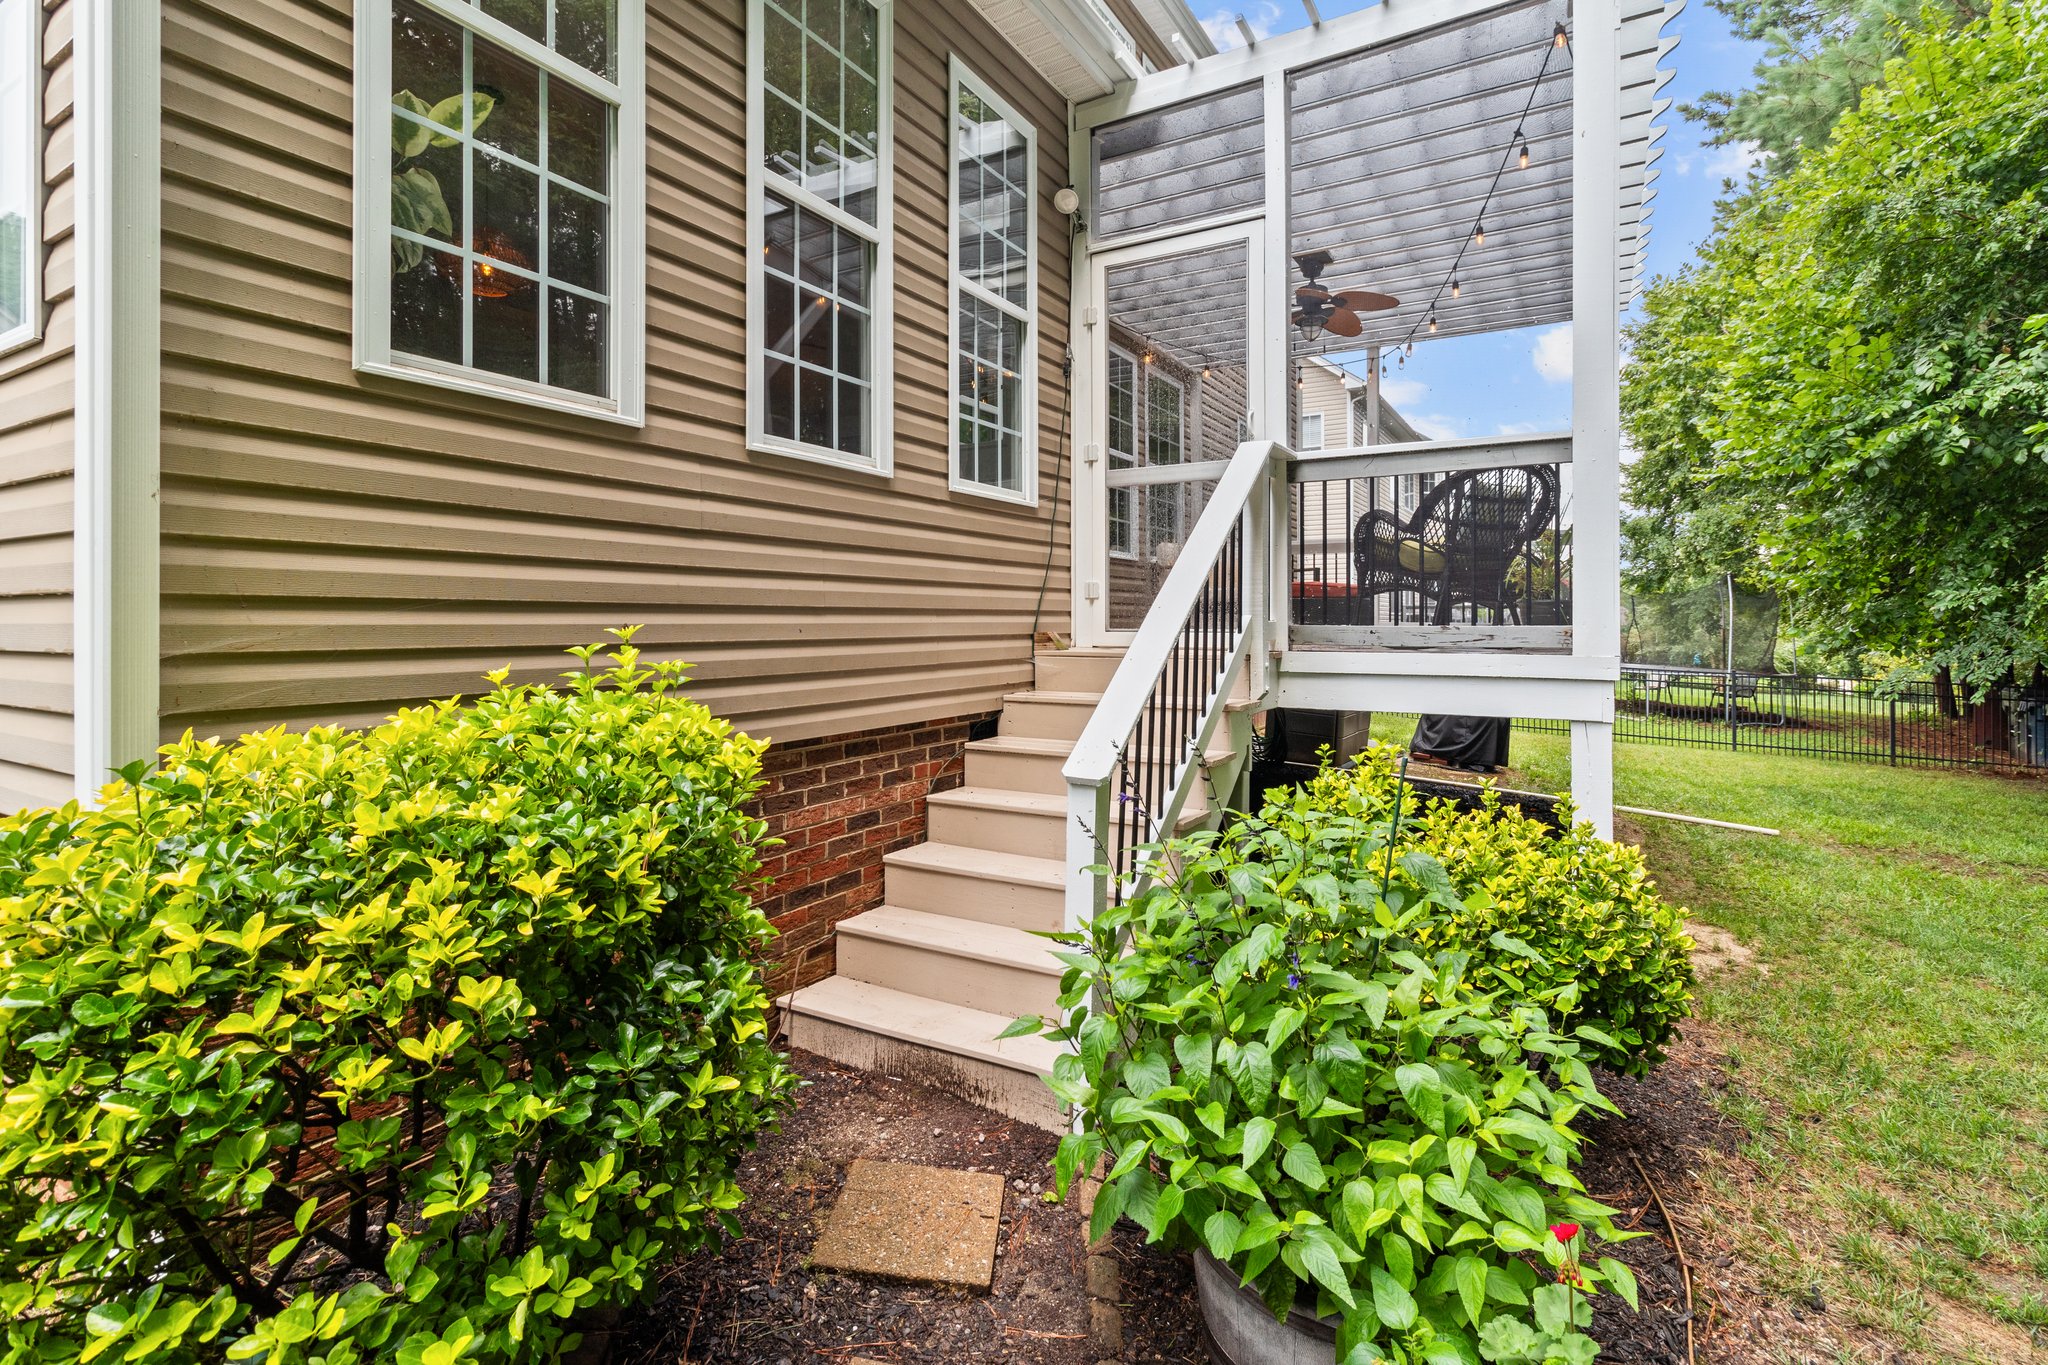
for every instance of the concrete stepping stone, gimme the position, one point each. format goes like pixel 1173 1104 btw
pixel 921 1223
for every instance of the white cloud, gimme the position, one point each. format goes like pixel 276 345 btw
pixel 1403 393
pixel 1435 426
pixel 1552 355
pixel 1734 161
pixel 1518 428
pixel 1222 24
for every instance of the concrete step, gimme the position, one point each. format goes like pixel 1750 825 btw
pixel 1047 715
pixel 949 1047
pixel 1033 765
pixel 1031 823
pixel 983 966
pixel 973 883
pixel 1076 670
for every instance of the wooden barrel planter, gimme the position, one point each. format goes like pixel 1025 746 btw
pixel 1239 1329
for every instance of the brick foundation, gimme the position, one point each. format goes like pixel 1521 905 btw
pixel 838 805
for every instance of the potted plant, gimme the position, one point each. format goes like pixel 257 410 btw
pixel 1376 1142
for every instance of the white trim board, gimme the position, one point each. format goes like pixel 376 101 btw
pixel 117 412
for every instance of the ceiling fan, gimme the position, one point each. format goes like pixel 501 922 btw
pixel 1317 309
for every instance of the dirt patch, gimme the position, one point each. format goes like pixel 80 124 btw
pixel 1716 952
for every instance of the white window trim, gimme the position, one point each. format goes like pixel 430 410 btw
pixel 30 329
pixel 881 459
pixel 1306 418
pixel 963 77
pixel 627 267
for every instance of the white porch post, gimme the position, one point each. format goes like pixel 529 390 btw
pixel 1596 390
pixel 1087 518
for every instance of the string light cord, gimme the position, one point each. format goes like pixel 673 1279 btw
pixel 1479 220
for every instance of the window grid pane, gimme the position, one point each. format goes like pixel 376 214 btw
pixel 992 305
pixel 820 81
pixel 499 262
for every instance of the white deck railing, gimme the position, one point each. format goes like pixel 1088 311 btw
pixel 1131 772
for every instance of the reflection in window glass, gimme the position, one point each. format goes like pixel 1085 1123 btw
pixel 21 147
pixel 1123 449
pixel 501 190
pixel 818 215
pixel 994 313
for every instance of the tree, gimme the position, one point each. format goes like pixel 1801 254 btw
pixel 1854 378
pixel 1819 56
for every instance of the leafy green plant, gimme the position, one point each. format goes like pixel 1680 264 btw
pixel 404 1044
pixel 1270 1063
pixel 417 202
pixel 1583 911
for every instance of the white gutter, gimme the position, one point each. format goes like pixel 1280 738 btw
pixel 116 53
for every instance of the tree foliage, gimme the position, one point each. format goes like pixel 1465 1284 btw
pixel 1819 56
pixel 1854 377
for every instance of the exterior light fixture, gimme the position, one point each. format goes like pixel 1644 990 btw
pixel 1148 357
pixel 1205 372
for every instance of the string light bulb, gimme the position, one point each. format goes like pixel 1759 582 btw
pixel 1479 234
pixel 1522 156
pixel 1411 348
pixel 1148 357
pixel 1432 324
pixel 1205 372
pixel 1557 36
pixel 1455 291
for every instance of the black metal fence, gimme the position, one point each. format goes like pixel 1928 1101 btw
pixel 1909 722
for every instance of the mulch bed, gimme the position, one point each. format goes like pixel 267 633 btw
pixel 753 1302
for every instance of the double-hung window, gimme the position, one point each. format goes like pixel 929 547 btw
pixel 1123 449
pixel 21 172
pixel 1148 420
pixel 818 209
pixel 995 296
pixel 1311 431
pixel 500 198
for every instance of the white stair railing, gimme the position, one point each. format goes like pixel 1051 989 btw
pixel 1132 770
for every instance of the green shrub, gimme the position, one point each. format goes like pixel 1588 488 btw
pixel 404 1044
pixel 1586 907
pixel 1275 1067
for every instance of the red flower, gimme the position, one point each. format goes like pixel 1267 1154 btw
pixel 1564 1232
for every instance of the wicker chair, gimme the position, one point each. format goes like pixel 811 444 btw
pixel 1460 544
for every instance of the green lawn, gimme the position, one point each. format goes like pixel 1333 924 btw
pixel 1890 1059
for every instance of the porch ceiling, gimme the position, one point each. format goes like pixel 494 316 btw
pixel 1398 151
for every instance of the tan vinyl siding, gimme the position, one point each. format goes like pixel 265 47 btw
pixel 36 483
pixel 334 547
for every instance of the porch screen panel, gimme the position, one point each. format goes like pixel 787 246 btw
pixel 1181 165
pixel 1177 395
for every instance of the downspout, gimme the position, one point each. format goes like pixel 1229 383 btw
pixel 116 56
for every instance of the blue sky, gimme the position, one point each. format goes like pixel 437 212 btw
pixel 1521 381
